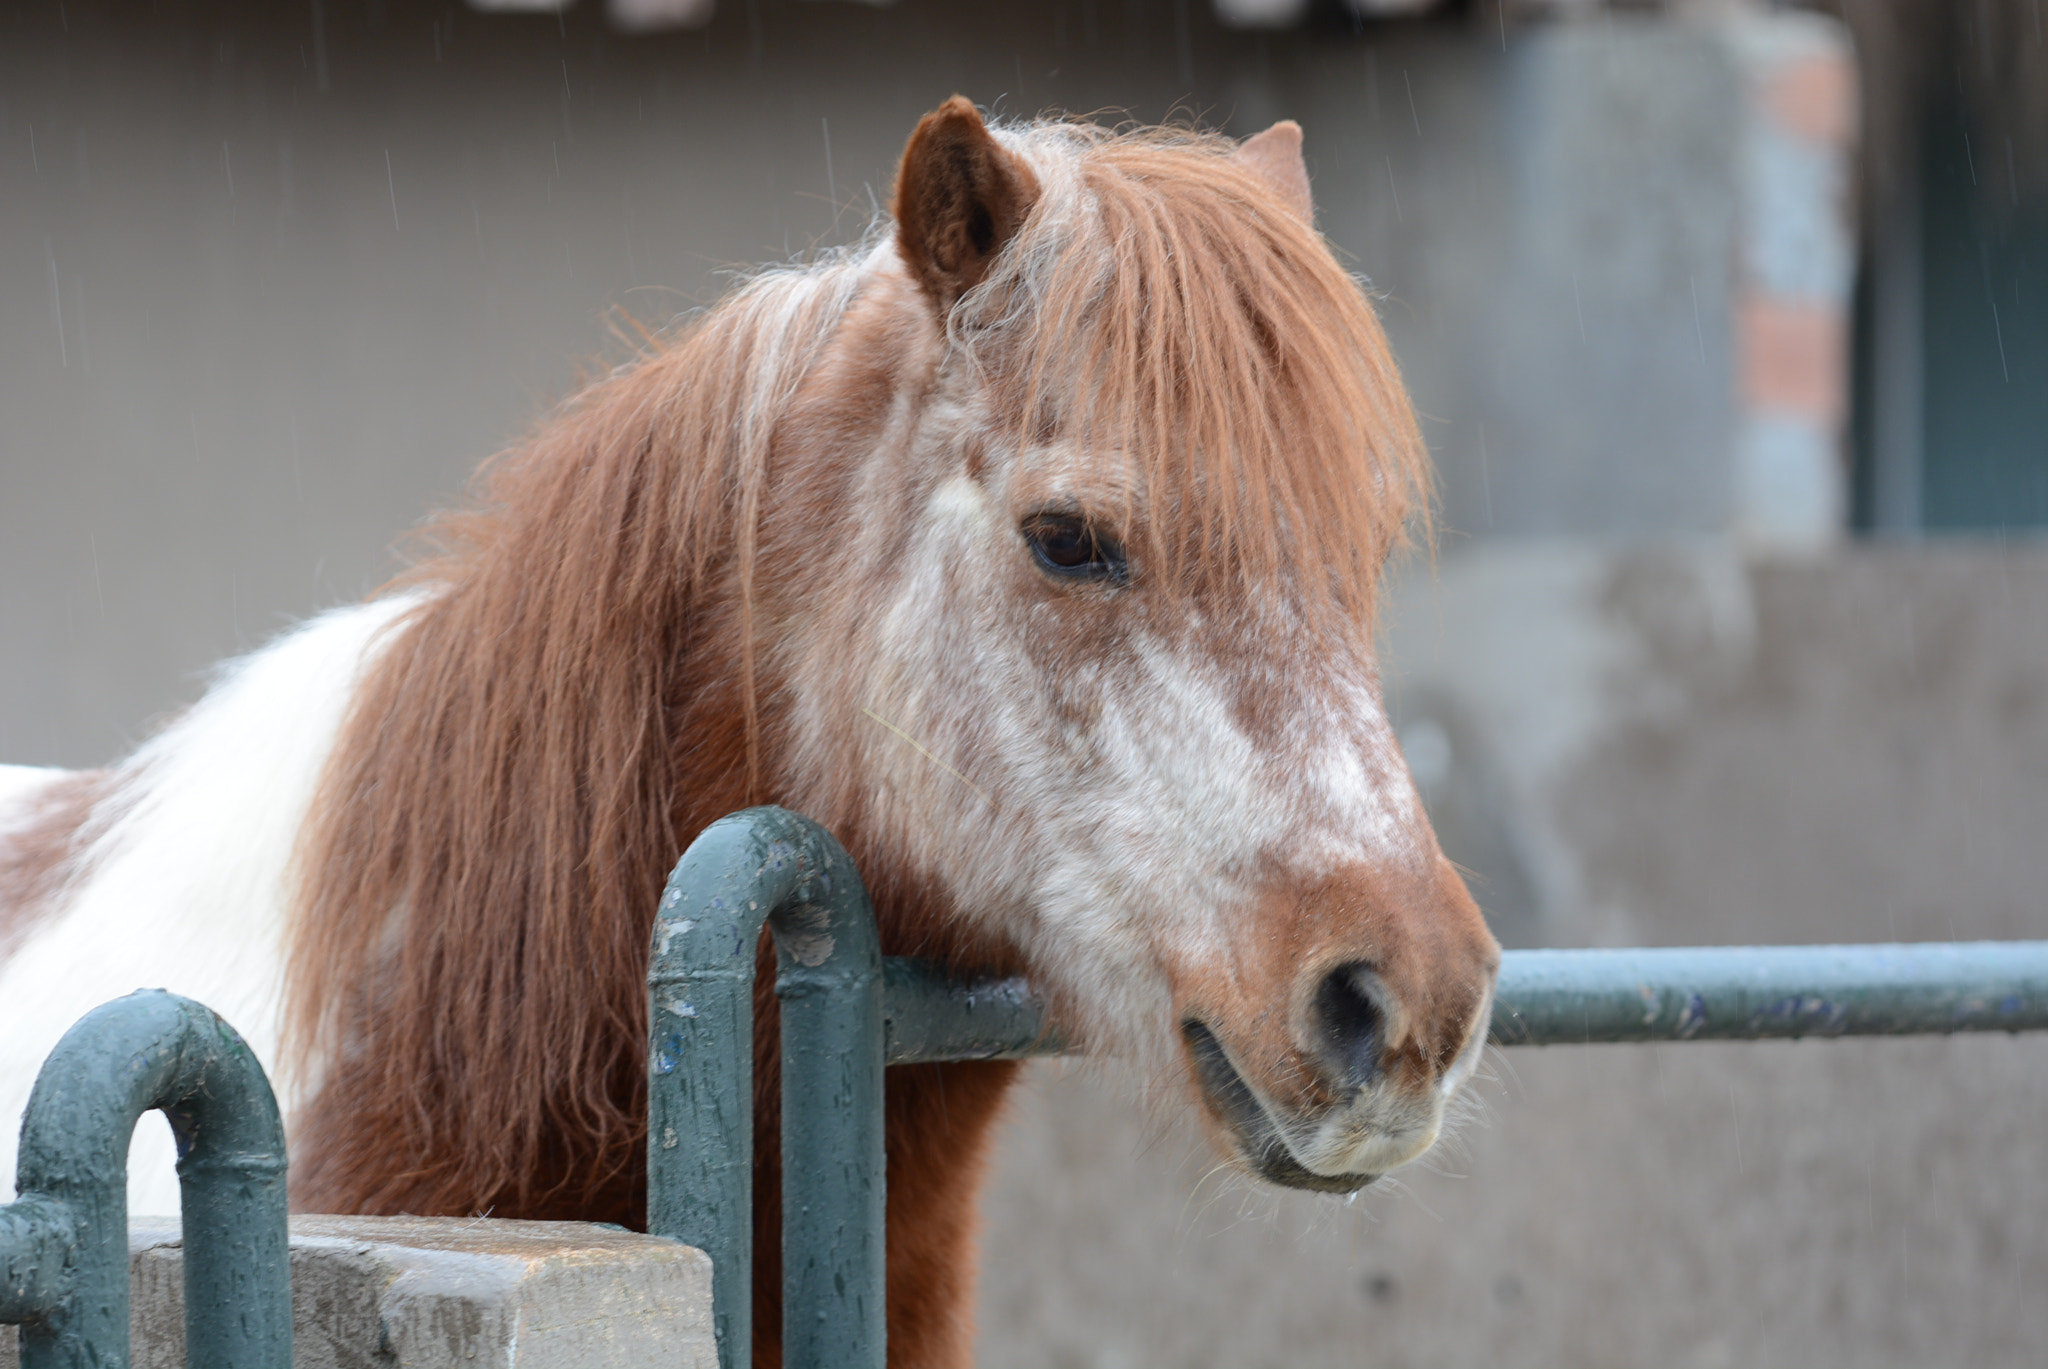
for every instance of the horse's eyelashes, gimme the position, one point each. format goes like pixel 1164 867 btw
pixel 1069 547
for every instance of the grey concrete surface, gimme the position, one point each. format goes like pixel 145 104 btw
pixel 442 1293
pixel 1692 744
pixel 1868 1203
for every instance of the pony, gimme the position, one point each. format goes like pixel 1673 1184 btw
pixel 1031 545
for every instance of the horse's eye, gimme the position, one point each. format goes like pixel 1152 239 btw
pixel 1069 548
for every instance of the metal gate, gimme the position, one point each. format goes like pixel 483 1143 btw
pixel 847 1013
pixel 64 1240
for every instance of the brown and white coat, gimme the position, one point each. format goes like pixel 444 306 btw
pixel 1030 546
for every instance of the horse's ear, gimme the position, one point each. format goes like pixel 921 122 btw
pixel 960 195
pixel 1276 155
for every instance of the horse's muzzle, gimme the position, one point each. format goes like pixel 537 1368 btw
pixel 1251 1123
pixel 1375 1107
pixel 1329 1048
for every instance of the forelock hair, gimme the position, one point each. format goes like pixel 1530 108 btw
pixel 1166 307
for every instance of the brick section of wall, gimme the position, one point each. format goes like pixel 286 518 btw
pixel 1793 280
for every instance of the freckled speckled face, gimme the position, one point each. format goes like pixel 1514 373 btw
pixel 1191 817
pixel 1093 659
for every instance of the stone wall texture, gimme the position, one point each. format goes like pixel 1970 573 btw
pixel 443 1293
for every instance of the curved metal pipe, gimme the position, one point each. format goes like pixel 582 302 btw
pixel 768 866
pixel 64 1243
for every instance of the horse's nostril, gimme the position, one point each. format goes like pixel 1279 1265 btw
pixel 1350 1022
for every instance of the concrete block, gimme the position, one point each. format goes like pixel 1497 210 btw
pixel 435 1293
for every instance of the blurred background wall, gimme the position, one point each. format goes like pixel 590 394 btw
pixel 1729 324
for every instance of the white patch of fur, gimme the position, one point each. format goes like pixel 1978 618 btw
pixel 1184 816
pixel 185 888
pixel 19 785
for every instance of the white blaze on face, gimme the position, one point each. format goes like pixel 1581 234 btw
pixel 1111 812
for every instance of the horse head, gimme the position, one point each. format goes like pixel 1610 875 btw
pixel 1032 547
pixel 1074 627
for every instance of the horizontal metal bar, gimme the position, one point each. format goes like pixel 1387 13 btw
pixel 1692 993
pixel 1752 993
pixel 928 1016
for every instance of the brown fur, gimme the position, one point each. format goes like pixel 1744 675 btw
pixel 1419 929
pixel 39 856
pixel 960 197
pixel 586 687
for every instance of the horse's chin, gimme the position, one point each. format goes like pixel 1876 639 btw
pixel 1277 1166
pixel 1251 1126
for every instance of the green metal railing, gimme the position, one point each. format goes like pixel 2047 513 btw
pixel 1757 993
pixel 846 1013
pixel 64 1240
pixel 770 867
